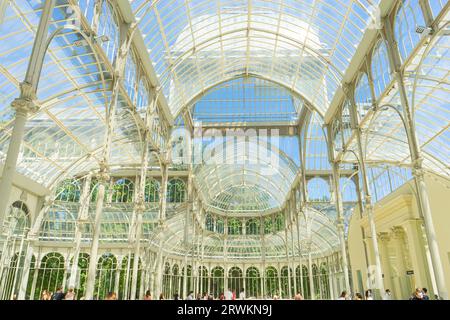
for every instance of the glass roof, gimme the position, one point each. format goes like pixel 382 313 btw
pixel 305 46
pixel 244 175
pixel 247 100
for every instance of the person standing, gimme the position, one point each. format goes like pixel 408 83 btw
pixel 369 294
pixel 298 296
pixel 343 295
pixel 242 295
pixel 387 295
pixel 148 295
pixel 45 295
pixel 358 296
pixel 58 295
pixel 425 294
pixel 228 295
pixel 70 295
pixel 417 295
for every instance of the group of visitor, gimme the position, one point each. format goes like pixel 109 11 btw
pixel 368 295
pixel 421 294
pixel 227 295
pixel 418 294
pixel 58 294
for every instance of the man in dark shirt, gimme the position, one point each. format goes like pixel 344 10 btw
pixel 58 295
pixel 425 294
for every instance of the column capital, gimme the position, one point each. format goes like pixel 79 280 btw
pixel 48 201
pixel 103 174
pixel 139 205
pixel 417 169
pixel 384 236
pixel 26 103
pixel 398 232
pixel 368 201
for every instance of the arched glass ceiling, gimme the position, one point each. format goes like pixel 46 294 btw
pixel 303 45
pixel 247 99
pixel 259 171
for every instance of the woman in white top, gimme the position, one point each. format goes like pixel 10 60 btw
pixel 343 296
pixel 70 295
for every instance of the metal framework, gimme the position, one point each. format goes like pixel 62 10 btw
pixel 101 103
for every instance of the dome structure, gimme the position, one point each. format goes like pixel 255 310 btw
pixel 269 147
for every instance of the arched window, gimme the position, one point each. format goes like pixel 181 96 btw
pixel 252 283
pixel 381 71
pixel 123 191
pixel 272 282
pixel 108 31
pixel 220 225
pixel 324 283
pixel 203 275
pixel 105 276
pixel 306 283
pixel 142 97
pixel 209 222
pixel 58 225
pixel 234 226
pixel 268 225
pixel 363 95
pixel 408 17
pixel 279 222
pixel 83 265
pixel 176 280
pixel 235 280
pixel 252 226
pixel 151 193
pixel 315 275
pixel 18 218
pixel 348 190
pixel 217 281
pixel 94 190
pixel 318 190
pixel 12 270
pixel 176 191
pixel 51 273
pixel 286 290
pixel 68 190
pixel 166 281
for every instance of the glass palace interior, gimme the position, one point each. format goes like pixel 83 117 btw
pixel 273 147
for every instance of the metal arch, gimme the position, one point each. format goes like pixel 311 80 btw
pixel 197 96
pixel 201 93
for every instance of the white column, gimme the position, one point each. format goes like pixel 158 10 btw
pixel 82 215
pixel 340 216
pixel 24 105
pixel 90 282
pixel 416 159
pixel 311 279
